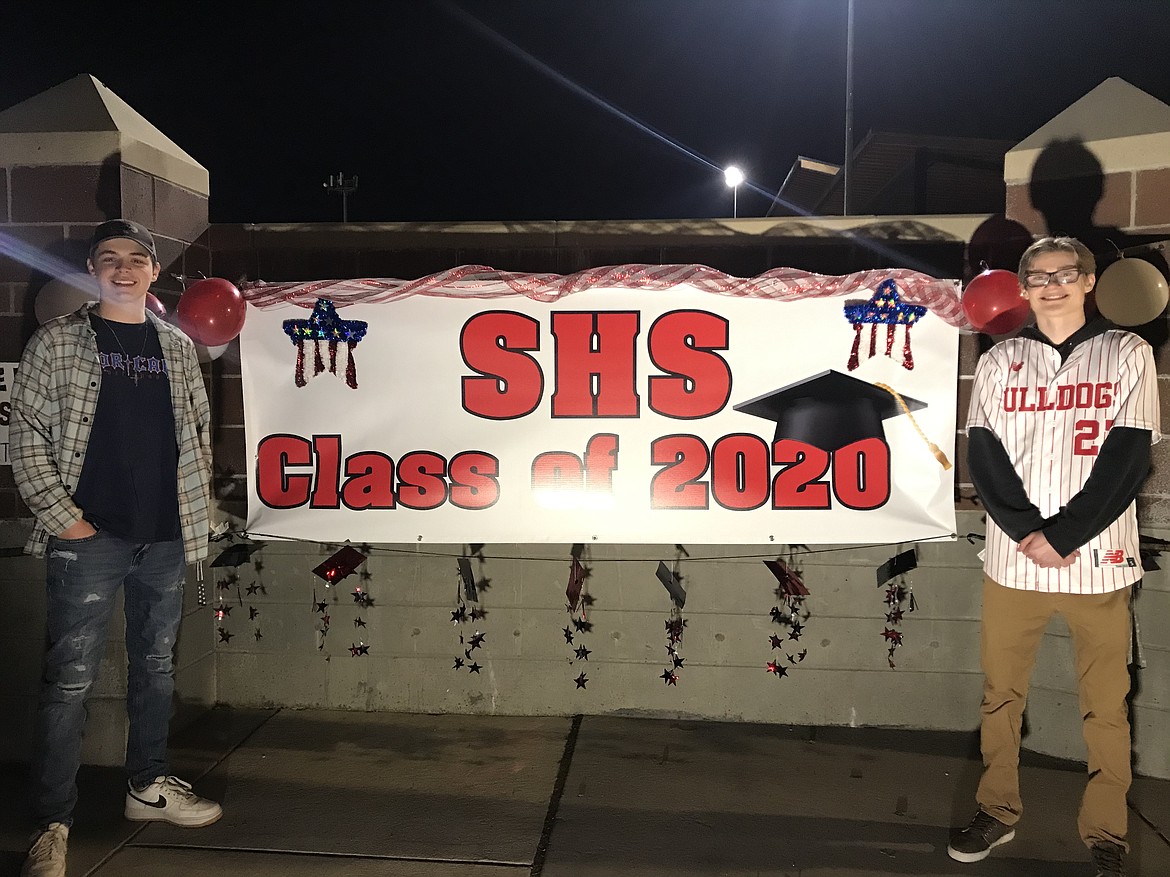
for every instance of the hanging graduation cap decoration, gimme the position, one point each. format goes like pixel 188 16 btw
pixel 790 584
pixel 467 579
pixel 673 584
pixel 236 555
pixel 339 565
pixel 885 307
pixel 576 582
pixel 324 324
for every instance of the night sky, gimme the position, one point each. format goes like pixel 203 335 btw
pixel 565 109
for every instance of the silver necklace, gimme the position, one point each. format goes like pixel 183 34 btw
pixel 118 341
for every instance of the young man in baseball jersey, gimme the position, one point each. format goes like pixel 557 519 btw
pixel 1060 426
pixel 111 452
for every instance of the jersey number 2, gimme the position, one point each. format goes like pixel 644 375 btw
pixel 1088 432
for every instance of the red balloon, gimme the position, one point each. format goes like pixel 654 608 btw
pixel 212 311
pixel 993 304
pixel 156 306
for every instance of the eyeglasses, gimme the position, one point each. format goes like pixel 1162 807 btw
pixel 1040 279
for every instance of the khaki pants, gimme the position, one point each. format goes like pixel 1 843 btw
pixel 1013 624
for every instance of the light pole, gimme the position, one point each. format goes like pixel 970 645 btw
pixel 733 176
pixel 339 185
pixel 848 168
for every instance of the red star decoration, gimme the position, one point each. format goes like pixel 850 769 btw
pixel 893 636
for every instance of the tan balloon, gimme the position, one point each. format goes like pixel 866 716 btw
pixel 1131 292
pixel 64 295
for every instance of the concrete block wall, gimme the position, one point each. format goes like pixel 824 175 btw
pixel 526 663
pixel 526 666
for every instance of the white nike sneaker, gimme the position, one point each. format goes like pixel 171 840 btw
pixel 46 855
pixel 169 799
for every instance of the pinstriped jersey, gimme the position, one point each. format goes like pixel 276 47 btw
pixel 1051 418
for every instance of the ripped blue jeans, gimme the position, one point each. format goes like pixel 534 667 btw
pixel 84 576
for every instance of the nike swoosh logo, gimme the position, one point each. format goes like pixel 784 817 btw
pixel 160 803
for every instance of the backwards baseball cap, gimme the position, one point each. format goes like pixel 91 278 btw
pixel 123 228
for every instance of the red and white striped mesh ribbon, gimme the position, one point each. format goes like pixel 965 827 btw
pixel 942 297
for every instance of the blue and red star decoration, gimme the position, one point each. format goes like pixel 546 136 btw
pixel 885 307
pixel 324 324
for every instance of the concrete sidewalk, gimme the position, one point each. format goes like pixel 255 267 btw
pixel 339 793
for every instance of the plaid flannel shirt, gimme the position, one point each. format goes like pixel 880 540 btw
pixel 54 397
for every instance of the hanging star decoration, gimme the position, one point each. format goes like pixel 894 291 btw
pixel 230 558
pixel 675 625
pixel 321 623
pixel 467 591
pixel 324 324
pixel 790 613
pixel 577 603
pixel 225 636
pixel 358 649
pixel 777 668
pixel 892 576
pixel 885 307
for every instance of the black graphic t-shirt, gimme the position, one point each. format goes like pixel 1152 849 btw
pixel 129 483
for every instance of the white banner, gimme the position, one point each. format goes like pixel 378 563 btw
pixel 460 412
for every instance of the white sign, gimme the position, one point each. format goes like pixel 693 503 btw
pixel 7 372
pixel 601 414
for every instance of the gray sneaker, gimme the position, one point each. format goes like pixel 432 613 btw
pixel 46 853
pixel 1109 858
pixel 974 842
pixel 169 799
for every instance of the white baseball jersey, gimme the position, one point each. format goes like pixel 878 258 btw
pixel 1051 419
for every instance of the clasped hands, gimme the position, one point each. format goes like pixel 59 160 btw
pixel 1036 548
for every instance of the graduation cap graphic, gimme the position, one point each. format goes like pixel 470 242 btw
pixel 831 410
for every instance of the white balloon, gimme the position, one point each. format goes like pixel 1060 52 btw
pixel 210 354
pixel 64 295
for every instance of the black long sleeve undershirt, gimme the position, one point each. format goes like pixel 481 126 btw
pixel 1122 465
